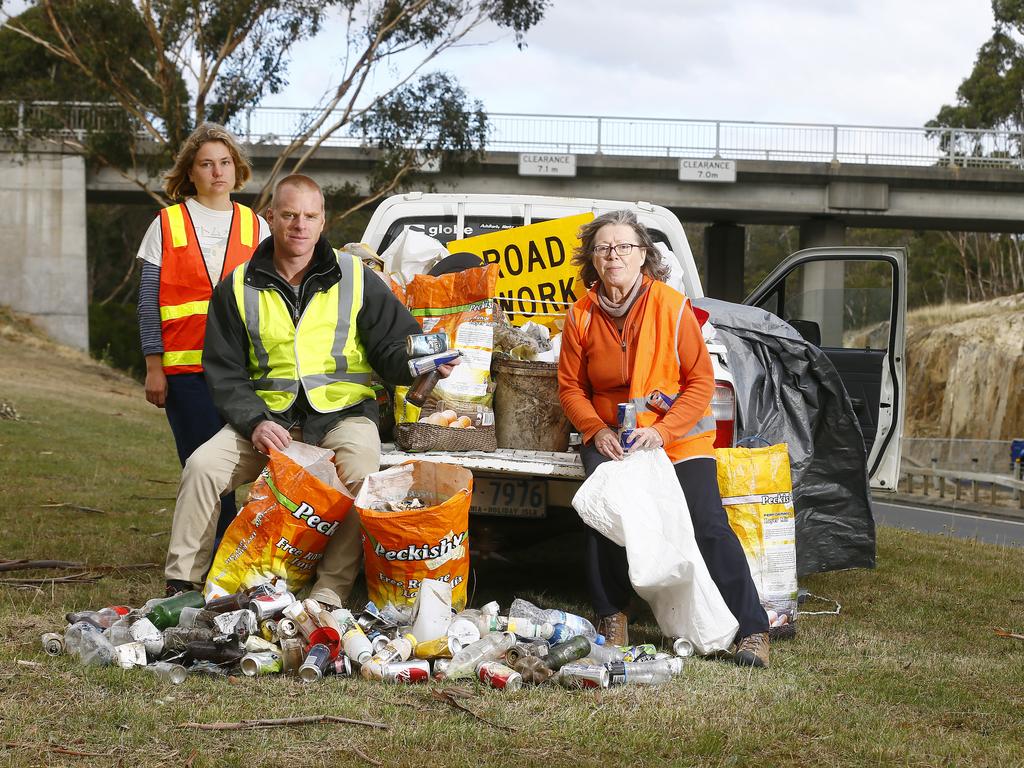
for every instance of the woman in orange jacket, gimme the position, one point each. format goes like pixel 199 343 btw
pixel 629 336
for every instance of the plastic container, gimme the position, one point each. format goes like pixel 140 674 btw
pixel 527 412
pixel 85 641
pixel 490 648
pixel 575 625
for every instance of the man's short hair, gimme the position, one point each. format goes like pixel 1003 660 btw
pixel 298 181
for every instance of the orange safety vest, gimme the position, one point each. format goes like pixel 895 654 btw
pixel 185 287
pixel 654 368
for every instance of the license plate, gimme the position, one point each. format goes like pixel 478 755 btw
pixel 509 498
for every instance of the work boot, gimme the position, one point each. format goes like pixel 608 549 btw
pixel 615 629
pixel 752 651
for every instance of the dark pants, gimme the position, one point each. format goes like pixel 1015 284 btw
pixel 194 420
pixel 608 568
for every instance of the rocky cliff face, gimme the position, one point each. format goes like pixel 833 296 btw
pixel 965 370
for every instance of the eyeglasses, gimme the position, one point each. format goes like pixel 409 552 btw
pixel 622 249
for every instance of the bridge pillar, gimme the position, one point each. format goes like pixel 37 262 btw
pixel 723 261
pixel 43 242
pixel 819 232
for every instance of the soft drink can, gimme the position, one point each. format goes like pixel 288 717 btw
pixel 420 365
pixel 268 630
pixel 627 416
pixel 286 628
pixel 583 676
pixel 377 640
pixel 317 661
pixel 269 606
pixel 626 439
pixel 53 644
pixel 169 671
pixel 416 671
pixel 341 666
pixel 682 647
pixel 500 676
pixel 440 666
pixel 261 590
pixel 241 623
pixel 423 344
pixel 659 402
pixel 260 663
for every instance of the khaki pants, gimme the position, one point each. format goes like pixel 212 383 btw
pixel 228 460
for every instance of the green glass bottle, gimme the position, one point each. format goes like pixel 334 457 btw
pixel 165 613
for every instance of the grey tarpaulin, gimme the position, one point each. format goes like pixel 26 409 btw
pixel 788 391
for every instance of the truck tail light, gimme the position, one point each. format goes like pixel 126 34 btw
pixel 723 408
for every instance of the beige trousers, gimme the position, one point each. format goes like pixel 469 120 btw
pixel 228 460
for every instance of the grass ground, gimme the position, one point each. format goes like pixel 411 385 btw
pixel 910 674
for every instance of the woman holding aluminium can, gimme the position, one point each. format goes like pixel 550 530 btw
pixel 611 354
pixel 187 250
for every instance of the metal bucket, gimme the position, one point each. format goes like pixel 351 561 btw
pixel 527 413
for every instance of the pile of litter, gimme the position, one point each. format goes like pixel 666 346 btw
pixel 263 631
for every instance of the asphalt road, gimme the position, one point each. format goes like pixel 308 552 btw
pixel 991 530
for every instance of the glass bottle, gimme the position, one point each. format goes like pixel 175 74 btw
pixel 166 613
pixel 563 653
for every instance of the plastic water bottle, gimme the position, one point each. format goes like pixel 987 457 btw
pixel 603 654
pixel 355 642
pixel 577 625
pixel 85 641
pixel 102 618
pixel 643 672
pixel 525 629
pixel 490 648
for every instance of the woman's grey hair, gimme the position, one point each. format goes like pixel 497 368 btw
pixel 654 265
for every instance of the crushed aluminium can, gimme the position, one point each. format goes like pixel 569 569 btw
pixel 682 647
pixel 500 676
pixel 643 652
pixel 416 671
pixel 341 666
pixel 260 663
pixel 270 606
pixel 583 676
pixel 317 661
pixel 659 402
pixel 462 632
pixel 420 365
pixel 53 644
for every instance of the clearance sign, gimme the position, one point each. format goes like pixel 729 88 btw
pixel 535 281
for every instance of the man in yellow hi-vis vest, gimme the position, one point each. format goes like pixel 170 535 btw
pixel 291 340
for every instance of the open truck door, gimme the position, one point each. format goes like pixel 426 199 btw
pixel 851 303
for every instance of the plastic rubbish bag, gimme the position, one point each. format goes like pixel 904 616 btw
pixel 412 253
pixel 415 521
pixel 757 493
pixel 294 507
pixel 638 504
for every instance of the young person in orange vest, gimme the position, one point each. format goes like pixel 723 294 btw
pixel 608 357
pixel 189 248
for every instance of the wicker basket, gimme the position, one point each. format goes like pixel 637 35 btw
pixel 417 437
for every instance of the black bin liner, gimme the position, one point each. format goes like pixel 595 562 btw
pixel 787 390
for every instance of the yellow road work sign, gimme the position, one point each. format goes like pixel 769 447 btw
pixel 536 281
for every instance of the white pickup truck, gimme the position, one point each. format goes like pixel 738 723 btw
pixel 829 294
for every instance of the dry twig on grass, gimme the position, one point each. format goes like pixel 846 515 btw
pixel 85 577
pixel 282 722
pixel 449 697
pixel 29 565
pixel 76 507
pixel 1000 632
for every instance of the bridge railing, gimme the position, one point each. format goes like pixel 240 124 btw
pixel 625 136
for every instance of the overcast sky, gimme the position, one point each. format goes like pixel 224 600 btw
pixel 872 62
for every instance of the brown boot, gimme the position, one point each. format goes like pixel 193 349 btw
pixel 752 651
pixel 614 628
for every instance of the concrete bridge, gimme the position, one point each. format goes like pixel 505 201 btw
pixel 822 178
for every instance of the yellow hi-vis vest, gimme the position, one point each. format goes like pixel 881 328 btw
pixel 322 352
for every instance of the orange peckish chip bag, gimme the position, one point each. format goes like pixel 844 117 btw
pixel 401 548
pixel 462 305
pixel 285 525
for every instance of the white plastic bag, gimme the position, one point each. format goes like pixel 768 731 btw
pixel 412 253
pixel 638 504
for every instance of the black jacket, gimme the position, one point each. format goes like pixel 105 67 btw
pixel 382 323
